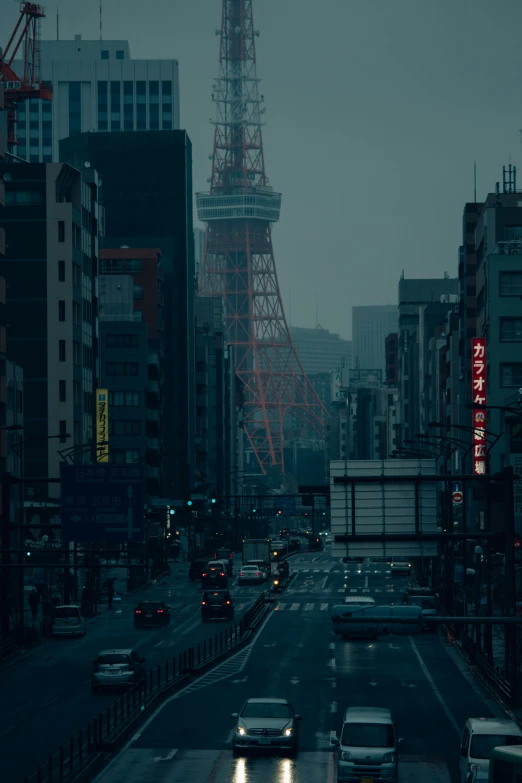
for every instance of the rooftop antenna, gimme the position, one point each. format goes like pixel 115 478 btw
pixel 57 23
pixel 474 181
pixel 290 307
pixel 316 311
pixel 101 20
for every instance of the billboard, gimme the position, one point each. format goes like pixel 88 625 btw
pixel 102 425
pixel 376 508
pixel 102 503
pixel 478 382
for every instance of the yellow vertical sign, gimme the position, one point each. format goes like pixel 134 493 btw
pixel 102 425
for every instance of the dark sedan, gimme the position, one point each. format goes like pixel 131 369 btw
pixel 217 604
pixel 151 613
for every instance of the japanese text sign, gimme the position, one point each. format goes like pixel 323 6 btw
pixel 102 425
pixel 478 382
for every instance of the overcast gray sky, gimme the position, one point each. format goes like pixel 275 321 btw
pixel 376 110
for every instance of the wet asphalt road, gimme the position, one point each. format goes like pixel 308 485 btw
pixel 47 697
pixel 296 656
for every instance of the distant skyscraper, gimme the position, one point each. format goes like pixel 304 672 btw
pixel 370 327
pixel 97 86
pixel 320 350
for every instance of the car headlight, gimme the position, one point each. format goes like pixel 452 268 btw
pixel 390 758
pixel 346 756
pixel 288 732
pixel 241 730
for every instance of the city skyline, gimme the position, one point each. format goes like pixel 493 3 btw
pixel 349 262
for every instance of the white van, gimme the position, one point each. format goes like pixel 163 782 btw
pixel 479 737
pixel 67 621
pixel 368 745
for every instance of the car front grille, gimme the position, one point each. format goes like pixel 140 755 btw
pixel 265 732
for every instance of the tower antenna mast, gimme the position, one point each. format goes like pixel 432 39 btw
pixel 239 210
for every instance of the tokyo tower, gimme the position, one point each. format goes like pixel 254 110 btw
pixel 238 263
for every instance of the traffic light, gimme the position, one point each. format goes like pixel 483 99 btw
pixel 172 512
pixel 189 502
pixel 279 512
pixel 254 510
pixel 213 500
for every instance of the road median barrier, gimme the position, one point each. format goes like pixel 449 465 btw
pixel 91 748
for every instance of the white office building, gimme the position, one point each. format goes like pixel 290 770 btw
pixel 320 350
pixel 97 86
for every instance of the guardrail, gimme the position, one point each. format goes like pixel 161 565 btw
pixel 103 734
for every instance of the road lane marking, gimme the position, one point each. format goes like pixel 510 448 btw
pixel 168 757
pixel 333 706
pixel 280 607
pixel 309 607
pixel 323 607
pixel 215 769
pixel 294 607
pixel 158 644
pixel 323 583
pixel 366 581
pixel 434 688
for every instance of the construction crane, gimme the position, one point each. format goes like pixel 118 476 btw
pixel 25 36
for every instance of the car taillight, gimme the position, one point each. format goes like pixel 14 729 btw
pixel 222 574
pixel 203 603
pixel 240 573
pixel 231 555
pixel 161 611
pixel 258 573
pixel 137 611
pixel 228 602
pixel 204 573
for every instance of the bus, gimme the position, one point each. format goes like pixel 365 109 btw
pixel 505 765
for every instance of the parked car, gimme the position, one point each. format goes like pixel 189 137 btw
pixel 117 669
pixel 196 569
pixel 479 737
pixel 217 604
pixel 250 573
pixel 266 724
pixel 67 621
pixel 154 613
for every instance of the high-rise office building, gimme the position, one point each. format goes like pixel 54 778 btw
pixel 320 350
pixel 97 86
pixel 370 326
pixel 147 211
pixel 52 218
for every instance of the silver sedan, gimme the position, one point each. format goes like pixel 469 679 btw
pixel 266 724
pixel 250 573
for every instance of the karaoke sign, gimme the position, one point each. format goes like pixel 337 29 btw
pixel 478 380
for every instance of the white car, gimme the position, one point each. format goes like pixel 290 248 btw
pixel 67 621
pixel 261 566
pixel 250 573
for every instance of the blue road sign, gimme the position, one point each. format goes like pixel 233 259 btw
pixel 102 503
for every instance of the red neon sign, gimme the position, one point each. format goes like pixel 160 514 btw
pixel 478 381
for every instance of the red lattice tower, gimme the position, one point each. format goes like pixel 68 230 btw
pixel 239 261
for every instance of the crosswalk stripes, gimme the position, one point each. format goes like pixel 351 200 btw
pixel 283 606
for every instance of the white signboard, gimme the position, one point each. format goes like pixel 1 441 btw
pixel 387 507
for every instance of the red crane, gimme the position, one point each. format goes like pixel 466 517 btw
pixel 21 88
pixel 239 210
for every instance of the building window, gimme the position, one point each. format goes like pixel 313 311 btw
pixel 103 106
pixel 124 427
pixel 21 198
pixel 512 232
pixel 62 391
pixel 137 291
pixel 126 457
pixel 105 54
pixel 510 375
pixel 61 309
pixel 61 231
pixel 120 54
pixel 75 108
pixel 122 368
pixel 134 265
pixel 121 340
pixel 61 350
pixel 77 316
pixel 124 399
pixel 61 271
pixel 510 283
pixel 510 330
pixel 63 431
pixel 115 106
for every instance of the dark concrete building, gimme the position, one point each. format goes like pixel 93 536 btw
pixel 391 371
pixel 51 218
pixel 144 210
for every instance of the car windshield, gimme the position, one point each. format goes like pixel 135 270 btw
pixel 250 568
pixel 368 735
pixel 66 611
pixel 110 658
pixel 260 709
pixel 150 607
pixel 482 744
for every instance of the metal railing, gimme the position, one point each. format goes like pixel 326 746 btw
pixel 104 731
pixel 494 676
